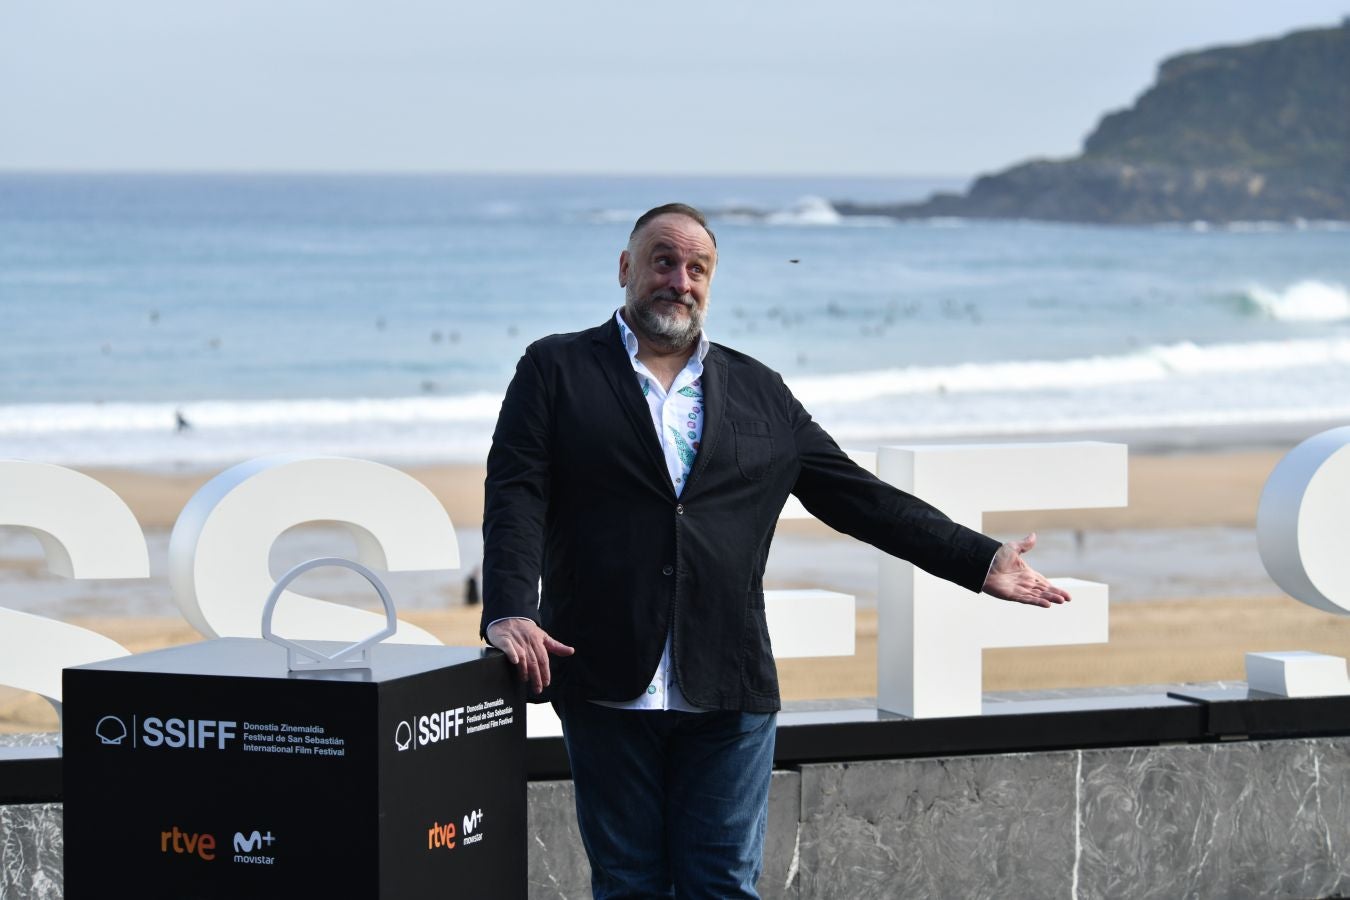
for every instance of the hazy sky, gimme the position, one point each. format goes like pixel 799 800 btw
pixel 825 86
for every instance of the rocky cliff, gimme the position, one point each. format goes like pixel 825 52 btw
pixel 1253 132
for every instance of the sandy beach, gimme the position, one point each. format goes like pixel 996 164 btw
pixel 1167 490
pixel 1153 639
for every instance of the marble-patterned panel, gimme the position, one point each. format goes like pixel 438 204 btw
pixel 1231 820
pixel 971 827
pixel 557 862
pixel 779 879
pixel 31 843
pixel 29 739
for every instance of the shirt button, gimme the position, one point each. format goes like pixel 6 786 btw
pixel 679 509
pixel 667 570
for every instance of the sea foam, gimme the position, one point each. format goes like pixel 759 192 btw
pixel 65 418
pixel 1304 301
pixel 806 211
pixel 1152 364
pixel 1165 386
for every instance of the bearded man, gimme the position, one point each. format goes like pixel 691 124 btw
pixel 636 475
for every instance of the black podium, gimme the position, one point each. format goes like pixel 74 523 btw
pixel 212 771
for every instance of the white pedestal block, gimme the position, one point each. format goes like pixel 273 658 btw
pixel 808 623
pixel 1297 673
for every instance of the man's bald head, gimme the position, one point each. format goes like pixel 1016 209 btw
pixel 671 209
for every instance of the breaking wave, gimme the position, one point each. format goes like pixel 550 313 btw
pixel 1304 301
pixel 1165 386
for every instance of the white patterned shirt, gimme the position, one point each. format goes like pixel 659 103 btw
pixel 677 416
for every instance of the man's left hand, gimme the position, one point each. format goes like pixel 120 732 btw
pixel 1010 578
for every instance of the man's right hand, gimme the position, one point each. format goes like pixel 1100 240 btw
pixel 527 646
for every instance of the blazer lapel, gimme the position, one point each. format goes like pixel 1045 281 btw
pixel 618 369
pixel 714 410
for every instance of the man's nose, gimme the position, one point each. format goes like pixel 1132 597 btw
pixel 680 281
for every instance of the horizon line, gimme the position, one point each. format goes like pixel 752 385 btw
pixel 470 173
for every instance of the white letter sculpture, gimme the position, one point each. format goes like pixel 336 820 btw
pixel 1301 529
pixel 219 547
pixel 1304 520
pixel 930 633
pixel 86 531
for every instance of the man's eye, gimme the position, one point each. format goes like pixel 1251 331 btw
pixel 697 270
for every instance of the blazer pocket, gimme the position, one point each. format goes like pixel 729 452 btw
pixel 754 449
pixel 759 675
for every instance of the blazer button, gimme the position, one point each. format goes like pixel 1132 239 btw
pixel 679 509
pixel 667 570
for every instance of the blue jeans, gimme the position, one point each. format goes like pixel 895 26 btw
pixel 670 804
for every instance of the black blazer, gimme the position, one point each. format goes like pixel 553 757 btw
pixel 578 493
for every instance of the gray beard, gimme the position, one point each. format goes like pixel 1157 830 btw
pixel 669 332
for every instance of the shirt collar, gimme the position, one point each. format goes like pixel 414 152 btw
pixel 630 341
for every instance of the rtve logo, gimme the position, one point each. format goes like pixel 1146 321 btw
pixel 439 836
pixel 188 843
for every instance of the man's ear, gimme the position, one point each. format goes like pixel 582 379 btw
pixel 623 268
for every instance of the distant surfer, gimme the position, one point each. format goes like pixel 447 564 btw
pixel 181 423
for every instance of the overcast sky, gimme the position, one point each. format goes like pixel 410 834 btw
pixel 785 87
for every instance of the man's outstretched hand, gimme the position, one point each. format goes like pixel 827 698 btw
pixel 1010 578
pixel 527 646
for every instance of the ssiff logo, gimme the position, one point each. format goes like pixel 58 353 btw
pixel 111 730
pixel 194 734
pixel 172 733
pixel 430 729
pixel 439 726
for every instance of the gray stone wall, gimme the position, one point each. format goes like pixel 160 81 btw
pixel 30 852
pixel 1231 820
pixel 1261 819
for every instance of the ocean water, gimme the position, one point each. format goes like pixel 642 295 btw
pixel 382 316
